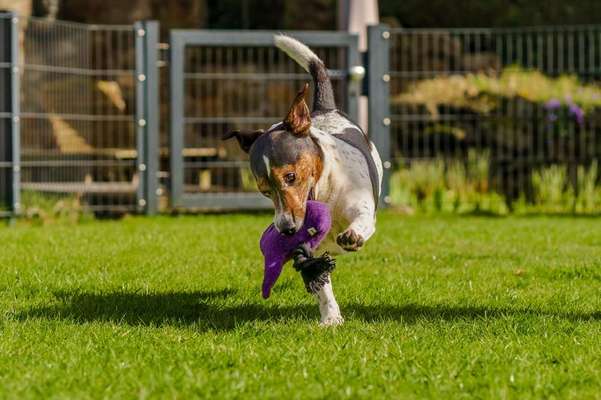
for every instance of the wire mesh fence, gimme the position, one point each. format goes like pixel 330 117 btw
pixel 229 88
pixel 509 111
pixel 78 139
pixel 236 87
pixel 477 115
pixel 164 101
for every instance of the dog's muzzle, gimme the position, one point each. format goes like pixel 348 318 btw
pixel 285 224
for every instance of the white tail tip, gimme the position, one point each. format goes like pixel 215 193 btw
pixel 295 50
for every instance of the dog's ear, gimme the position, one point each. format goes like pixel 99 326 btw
pixel 298 120
pixel 245 138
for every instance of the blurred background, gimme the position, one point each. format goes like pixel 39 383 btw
pixel 477 106
pixel 317 14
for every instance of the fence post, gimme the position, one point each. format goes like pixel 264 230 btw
pixel 11 100
pixel 176 114
pixel 378 81
pixel 147 114
pixel 354 80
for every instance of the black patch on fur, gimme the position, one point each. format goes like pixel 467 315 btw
pixel 356 138
pixel 323 98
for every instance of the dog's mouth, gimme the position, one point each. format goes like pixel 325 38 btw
pixel 299 221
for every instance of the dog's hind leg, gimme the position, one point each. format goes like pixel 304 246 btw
pixel 328 307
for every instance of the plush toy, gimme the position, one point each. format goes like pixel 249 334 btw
pixel 278 249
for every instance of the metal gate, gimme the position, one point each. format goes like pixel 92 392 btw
pixel 78 119
pixel 224 80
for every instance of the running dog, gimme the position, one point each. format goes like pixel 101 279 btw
pixel 320 155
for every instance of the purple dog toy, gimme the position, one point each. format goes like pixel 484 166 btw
pixel 278 249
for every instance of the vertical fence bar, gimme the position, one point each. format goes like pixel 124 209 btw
pixel 14 124
pixel 5 116
pixel 151 101
pixel 378 39
pixel 176 138
pixel 147 114
pixel 140 115
pixel 354 85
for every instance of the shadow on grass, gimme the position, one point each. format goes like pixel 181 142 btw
pixel 199 308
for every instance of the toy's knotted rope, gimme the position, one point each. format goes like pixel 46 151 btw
pixel 315 271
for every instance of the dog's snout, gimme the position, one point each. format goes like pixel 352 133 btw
pixel 288 228
pixel 289 231
pixel 286 225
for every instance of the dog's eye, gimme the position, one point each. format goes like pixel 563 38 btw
pixel 266 193
pixel 290 177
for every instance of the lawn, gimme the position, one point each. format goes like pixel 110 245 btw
pixel 435 307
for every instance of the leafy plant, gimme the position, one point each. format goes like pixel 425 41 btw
pixel 481 92
pixel 44 209
pixel 463 186
pixel 588 193
pixel 447 185
pixel 552 193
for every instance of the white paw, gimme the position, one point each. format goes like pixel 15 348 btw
pixel 333 320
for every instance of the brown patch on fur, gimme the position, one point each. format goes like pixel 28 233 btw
pixel 307 169
pixel 298 120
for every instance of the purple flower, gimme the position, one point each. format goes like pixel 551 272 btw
pixel 577 113
pixel 553 104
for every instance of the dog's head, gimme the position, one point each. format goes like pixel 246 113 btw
pixel 286 163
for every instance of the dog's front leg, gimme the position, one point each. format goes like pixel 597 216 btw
pixel 361 216
pixel 328 307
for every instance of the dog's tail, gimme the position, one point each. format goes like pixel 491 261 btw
pixel 323 100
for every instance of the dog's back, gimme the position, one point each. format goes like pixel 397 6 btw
pixel 353 163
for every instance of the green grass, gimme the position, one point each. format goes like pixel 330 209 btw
pixel 435 307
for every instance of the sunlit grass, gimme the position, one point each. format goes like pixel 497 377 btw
pixel 435 307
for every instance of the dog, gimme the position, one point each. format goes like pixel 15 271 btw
pixel 320 155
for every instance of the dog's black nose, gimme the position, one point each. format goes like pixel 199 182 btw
pixel 289 231
pixel 285 224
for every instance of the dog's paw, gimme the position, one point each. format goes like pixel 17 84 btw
pixel 333 320
pixel 350 240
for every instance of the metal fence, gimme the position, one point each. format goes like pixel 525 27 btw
pixel 505 103
pixel 9 194
pixel 221 81
pixel 465 110
pixel 81 113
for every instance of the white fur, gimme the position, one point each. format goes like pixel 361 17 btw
pixel 346 187
pixel 267 167
pixel 344 184
pixel 295 50
pixel 332 122
pixel 328 307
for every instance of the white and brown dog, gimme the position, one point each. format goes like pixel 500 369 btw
pixel 320 155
